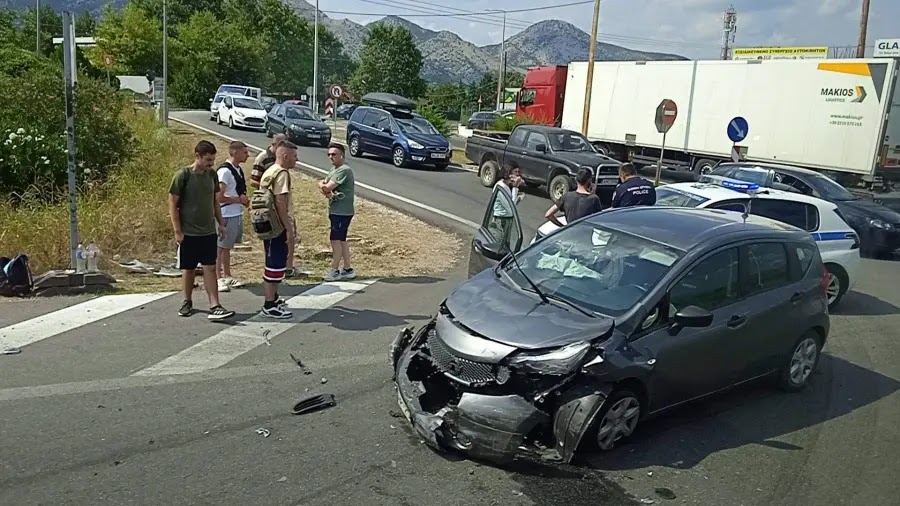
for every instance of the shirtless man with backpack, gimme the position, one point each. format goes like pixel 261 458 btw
pixel 271 213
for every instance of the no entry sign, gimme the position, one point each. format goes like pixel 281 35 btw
pixel 666 112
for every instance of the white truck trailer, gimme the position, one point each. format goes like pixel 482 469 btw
pixel 841 117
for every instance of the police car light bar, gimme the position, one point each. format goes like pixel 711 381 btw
pixel 741 187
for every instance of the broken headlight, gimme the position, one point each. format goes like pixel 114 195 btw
pixel 557 362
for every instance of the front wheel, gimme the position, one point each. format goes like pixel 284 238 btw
pixel 559 186
pixel 399 157
pixel 800 364
pixel 231 122
pixel 617 419
pixel 355 150
pixel 441 166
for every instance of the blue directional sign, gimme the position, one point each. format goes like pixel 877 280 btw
pixel 737 129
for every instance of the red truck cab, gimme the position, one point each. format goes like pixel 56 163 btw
pixel 542 94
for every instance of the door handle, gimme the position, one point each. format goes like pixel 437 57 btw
pixel 796 297
pixel 736 321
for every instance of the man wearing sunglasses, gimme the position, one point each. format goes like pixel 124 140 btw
pixel 339 188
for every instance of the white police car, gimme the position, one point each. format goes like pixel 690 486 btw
pixel 838 243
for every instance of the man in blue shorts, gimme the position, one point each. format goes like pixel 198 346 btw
pixel 278 178
pixel 340 188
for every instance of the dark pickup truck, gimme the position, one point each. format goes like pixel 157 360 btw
pixel 546 156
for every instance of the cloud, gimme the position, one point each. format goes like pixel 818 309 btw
pixel 689 27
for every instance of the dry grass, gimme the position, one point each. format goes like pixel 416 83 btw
pixel 129 220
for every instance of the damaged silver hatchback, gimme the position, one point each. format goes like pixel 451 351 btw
pixel 611 319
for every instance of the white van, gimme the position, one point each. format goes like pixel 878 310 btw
pixel 239 89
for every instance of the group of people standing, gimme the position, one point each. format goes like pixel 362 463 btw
pixel 207 209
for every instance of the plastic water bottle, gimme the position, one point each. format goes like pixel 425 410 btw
pixel 93 257
pixel 80 258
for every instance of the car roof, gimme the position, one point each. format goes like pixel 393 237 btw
pixel 716 193
pixel 683 228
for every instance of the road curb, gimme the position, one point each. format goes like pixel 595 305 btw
pixel 390 197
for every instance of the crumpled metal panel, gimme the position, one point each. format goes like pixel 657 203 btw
pixel 577 411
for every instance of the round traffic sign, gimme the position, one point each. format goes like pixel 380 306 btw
pixel 737 129
pixel 669 112
pixel 336 91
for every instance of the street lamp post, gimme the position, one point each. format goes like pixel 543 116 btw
pixel 37 28
pixel 165 95
pixel 586 114
pixel 314 100
pixel 500 75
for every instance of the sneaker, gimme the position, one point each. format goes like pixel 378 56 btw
pixel 219 313
pixel 277 312
pixel 348 274
pixel 187 309
pixel 332 275
pixel 233 283
pixel 223 285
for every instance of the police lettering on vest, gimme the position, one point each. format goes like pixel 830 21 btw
pixel 634 191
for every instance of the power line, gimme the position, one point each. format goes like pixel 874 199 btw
pixel 439 15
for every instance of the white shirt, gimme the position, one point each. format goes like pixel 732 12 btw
pixel 500 210
pixel 225 176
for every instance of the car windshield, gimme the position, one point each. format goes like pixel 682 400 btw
pixel 741 173
pixel 298 113
pixel 677 198
pixel 416 126
pixel 829 189
pixel 569 141
pixel 218 99
pixel 597 269
pixel 247 103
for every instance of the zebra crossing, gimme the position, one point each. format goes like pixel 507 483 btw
pixel 99 325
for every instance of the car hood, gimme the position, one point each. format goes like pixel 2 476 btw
pixel 871 210
pixel 252 113
pixel 584 158
pixel 494 309
pixel 307 123
pixel 429 141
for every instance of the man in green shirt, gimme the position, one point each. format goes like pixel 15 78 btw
pixel 197 220
pixel 339 187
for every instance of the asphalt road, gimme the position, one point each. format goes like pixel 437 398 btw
pixel 120 401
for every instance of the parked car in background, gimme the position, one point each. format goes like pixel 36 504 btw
pixel 237 111
pixel 482 120
pixel 268 102
pixel 838 244
pixel 546 156
pixel 344 111
pixel 393 130
pixel 878 226
pixel 568 345
pixel 214 104
pixel 299 123
pixel 239 89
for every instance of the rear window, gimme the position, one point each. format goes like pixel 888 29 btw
pixel 677 198
pixel 803 254
pixel 357 115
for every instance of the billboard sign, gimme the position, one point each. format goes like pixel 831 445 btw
pixel 887 48
pixel 780 53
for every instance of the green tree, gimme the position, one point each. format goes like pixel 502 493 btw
pixel 132 37
pixel 486 88
pixel 9 33
pixel 51 26
pixel 210 52
pixel 389 62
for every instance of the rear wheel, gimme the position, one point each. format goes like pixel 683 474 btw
pixel 559 186
pixel 488 173
pixel 703 167
pixel 800 363
pixel 617 419
pixel 837 285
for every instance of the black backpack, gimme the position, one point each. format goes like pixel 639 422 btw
pixel 15 276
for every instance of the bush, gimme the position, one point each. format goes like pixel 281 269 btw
pixel 32 147
pixel 507 123
pixel 437 119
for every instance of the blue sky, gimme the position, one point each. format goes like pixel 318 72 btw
pixel 692 28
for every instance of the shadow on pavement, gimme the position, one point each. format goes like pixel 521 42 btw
pixel 286 291
pixel 411 280
pixel 753 415
pixel 343 318
pixel 863 304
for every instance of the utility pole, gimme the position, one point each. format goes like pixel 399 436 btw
pixel 165 95
pixel 729 29
pixel 37 28
pixel 68 22
pixel 863 27
pixel 502 61
pixel 592 51
pixel 314 100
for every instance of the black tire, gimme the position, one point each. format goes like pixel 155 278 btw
pixel 629 400
pixel 231 122
pixel 399 157
pixel 212 118
pixel 790 383
pixel 441 166
pixel 559 186
pixel 355 147
pixel 489 173
pixel 268 132
pixel 841 279
pixel 702 167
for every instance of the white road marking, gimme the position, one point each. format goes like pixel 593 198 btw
pixel 72 317
pixel 231 343
pixel 445 214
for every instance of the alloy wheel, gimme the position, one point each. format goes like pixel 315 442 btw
pixel 354 146
pixel 834 288
pixel 803 360
pixel 399 156
pixel 618 422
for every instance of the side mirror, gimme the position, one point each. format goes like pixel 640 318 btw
pixel 386 129
pixel 492 251
pixel 210 101
pixel 693 317
pixel 541 148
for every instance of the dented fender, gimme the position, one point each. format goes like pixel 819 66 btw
pixel 577 409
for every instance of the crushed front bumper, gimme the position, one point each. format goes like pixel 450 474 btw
pixel 489 425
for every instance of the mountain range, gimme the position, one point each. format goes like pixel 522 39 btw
pixel 448 57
